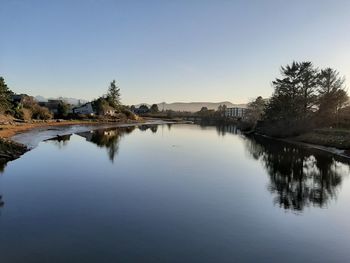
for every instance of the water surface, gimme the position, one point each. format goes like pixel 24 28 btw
pixel 174 193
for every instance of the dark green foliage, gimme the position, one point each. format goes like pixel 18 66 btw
pixel 41 113
pixel 101 105
pixel 294 94
pixel 62 110
pixel 113 95
pixel 154 108
pixel 332 95
pixel 303 99
pixel 109 102
pixel 222 110
pixel 144 108
pixel 128 113
pixel 5 96
pixel 255 110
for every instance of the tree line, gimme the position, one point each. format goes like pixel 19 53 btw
pixel 27 107
pixel 304 97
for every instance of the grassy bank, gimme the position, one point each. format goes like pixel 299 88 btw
pixel 337 138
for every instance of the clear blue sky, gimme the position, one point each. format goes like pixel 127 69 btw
pixel 167 50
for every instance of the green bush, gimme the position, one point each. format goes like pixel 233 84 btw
pixel 41 113
pixel 129 114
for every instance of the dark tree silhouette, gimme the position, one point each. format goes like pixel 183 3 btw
pixel 113 95
pixel 154 108
pixel 332 95
pixel 5 93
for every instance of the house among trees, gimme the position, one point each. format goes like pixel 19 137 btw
pixel 85 109
pixel 18 98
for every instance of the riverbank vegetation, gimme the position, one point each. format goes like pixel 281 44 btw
pixel 22 107
pixel 203 116
pixel 305 99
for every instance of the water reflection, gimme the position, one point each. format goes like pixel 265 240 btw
pixel 223 129
pixel 152 127
pixel 60 140
pixel 299 177
pixel 3 163
pixel 108 138
pixel 2 203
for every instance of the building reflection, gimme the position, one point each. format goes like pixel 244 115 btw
pixel 107 138
pixel 299 177
pixel 224 129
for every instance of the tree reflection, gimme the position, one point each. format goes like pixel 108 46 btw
pixel 3 163
pixel 60 140
pixel 2 203
pixel 299 177
pixel 108 138
pixel 152 127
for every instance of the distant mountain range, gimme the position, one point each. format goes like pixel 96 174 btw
pixel 175 106
pixel 193 106
pixel 72 101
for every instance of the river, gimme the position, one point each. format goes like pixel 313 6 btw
pixel 173 193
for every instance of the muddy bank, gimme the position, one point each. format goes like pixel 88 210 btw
pixel 10 150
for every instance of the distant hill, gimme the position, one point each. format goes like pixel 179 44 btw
pixel 72 101
pixel 194 106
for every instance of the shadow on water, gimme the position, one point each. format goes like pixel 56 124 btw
pixel 299 177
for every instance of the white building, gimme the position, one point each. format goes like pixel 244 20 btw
pixel 235 112
pixel 84 109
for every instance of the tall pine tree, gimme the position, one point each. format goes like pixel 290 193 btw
pixel 113 95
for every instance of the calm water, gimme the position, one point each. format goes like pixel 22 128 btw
pixel 173 193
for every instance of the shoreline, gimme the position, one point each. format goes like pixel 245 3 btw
pixel 7 131
pixel 16 140
pixel 332 150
